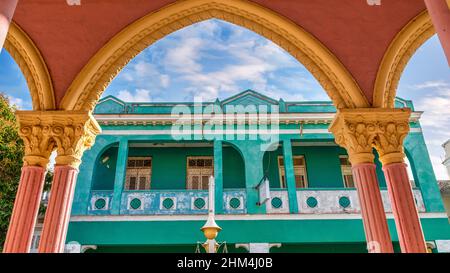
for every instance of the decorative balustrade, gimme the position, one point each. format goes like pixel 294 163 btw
pixel 100 202
pixel 327 201
pixel 164 202
pixel 234 201
pixel 185 202
pixel 278 203
pixel 171 202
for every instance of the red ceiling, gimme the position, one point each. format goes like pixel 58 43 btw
pixel 358 34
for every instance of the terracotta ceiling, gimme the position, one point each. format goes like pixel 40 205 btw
pixel 358 34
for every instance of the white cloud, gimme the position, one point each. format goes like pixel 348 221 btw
pixel 215 59
pixel 211 66
pixel 434 100
pixel 165 81
pixel 184 58
pixel 140 95
pixel 432 84
pixel 439 169
pixel 18 102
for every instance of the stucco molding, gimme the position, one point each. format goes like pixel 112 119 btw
pixel 361 130
pixel 397 56
pixel 37 140
pixel 30 61
pixel 90 83
pixel 70 132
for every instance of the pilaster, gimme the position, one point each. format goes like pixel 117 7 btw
pixel 119 183
pixel 218 176
pixel 290 176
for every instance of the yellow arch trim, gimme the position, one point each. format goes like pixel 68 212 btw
pixel 30 61
pixel 401 50
pixel 90 83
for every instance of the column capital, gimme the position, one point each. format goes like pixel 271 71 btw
pixel 360 130
pixel 37 139
pixel 71 132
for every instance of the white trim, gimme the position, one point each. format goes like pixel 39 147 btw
pixel 113 99
pixel 218 132
pixel 283 117
pixel 309 144
pixel 226 132
pixel 170 145
pixel 243 217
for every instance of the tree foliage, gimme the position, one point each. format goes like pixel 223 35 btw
pixel 11 154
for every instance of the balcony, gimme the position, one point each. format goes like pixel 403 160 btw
pixel 185 202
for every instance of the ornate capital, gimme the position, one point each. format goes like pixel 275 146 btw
pixel 71 132
pixel 361 130
pixel 391 134
pixel 37 139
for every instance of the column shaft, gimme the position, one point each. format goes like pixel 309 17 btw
pixel 439 11
pixel 6 13
pixel 407 220
pixel 218 176
pixel 121 169
pixel 26 209
pixel 372 210
pixel 57 216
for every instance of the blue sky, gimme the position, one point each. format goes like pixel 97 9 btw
pixel 214 59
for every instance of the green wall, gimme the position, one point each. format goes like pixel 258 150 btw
pixel 160 249
pixel 379 170
pixel 185 232
pixel 317 160
pixel 104 173
pixel 169 167
pixel 233 169
pixel 285 248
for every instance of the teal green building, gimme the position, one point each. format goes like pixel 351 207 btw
pixel 143 186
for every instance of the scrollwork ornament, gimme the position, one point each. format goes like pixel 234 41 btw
pixel 361 130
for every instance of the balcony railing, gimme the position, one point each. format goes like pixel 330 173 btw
pixel 186 202
pixel 169 202
pixel 323 201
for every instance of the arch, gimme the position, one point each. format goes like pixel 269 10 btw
pixel 30 61
pixel 397 56
pixel 270 163
pixel 90 83
pixel 233 170
pixel 105 172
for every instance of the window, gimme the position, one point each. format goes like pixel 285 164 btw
pixel 301 180
pixel 346 168
pixel 139 173
pixel 199 169
pixel 36 238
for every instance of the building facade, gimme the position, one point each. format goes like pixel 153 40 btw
pixel 446 162
pixel 143 186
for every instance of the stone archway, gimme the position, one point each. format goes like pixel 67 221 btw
pixel 401 50
pixel 29 59
pixel 90 83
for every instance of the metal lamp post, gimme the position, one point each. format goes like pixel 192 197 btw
pixel 211 229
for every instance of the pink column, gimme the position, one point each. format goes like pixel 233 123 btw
pixel 404 208
pixel 440 15
pixel 372 210
pixel 57 216
pixel 7 8
pixel 26 209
